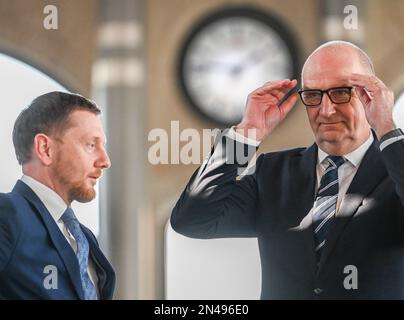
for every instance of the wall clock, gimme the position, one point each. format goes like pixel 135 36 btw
pixel 228 54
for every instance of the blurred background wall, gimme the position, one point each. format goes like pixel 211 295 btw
pixel 125 54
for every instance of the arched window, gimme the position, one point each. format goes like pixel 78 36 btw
pixel 20 83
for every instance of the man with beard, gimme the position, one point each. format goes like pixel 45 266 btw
pixel 45 253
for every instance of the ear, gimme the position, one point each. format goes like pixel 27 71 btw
pixel 44 148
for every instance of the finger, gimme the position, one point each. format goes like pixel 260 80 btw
pixel 282 92
pixel 267 88
pixel 288 104
pixel 274 84
pixel 280 89
pixel 288 86
pixel 274 91
pixel 279 84
pixel 370 82
pixel 363 95
pixel 285 94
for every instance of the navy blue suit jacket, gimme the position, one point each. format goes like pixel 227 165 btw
pixel 30 240
pixel 272 203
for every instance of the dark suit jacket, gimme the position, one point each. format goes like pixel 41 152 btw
pixel 30 240
pixel 271 204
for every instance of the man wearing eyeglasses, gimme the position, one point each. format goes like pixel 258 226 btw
pixel 329 218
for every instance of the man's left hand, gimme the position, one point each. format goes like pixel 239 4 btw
pixel 377 100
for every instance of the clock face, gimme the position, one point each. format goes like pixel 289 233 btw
pixel 228 55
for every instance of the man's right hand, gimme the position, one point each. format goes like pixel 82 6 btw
pixel 262 112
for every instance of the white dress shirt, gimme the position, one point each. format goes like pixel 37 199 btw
pixel 346 171
pixel 56 207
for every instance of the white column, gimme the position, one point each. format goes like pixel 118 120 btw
pixel 119 88
pixel 343 20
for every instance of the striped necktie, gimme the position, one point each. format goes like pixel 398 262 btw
pixel 83 250
pixel 325 206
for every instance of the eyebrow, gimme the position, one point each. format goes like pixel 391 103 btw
pixel 95 138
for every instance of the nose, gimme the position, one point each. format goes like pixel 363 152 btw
pixel 327 107
pixel 103 160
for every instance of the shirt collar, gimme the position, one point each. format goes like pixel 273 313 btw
pixel 52 201
pixel 354 157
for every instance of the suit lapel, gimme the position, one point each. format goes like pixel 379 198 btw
pixel 303 176
pixel 368 176
pixel 59 241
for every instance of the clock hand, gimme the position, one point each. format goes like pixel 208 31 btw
pixel 209 65
pixel 253 57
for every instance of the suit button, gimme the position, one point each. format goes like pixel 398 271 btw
pixel 318 291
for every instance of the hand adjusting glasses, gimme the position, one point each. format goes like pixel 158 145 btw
pixel 337 95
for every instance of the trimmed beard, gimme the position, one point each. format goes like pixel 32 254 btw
pixel 75 190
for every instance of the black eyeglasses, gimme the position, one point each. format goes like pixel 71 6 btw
pixel 337 95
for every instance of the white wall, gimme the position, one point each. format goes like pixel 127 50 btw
pixel 227 269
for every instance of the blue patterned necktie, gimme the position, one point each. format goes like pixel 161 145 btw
pixel 83 250
pixel 326 203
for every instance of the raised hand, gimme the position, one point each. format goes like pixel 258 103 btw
pixel 262 112
pixel 377 100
